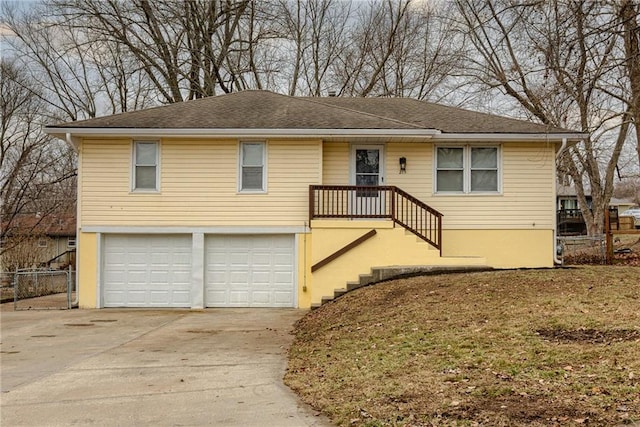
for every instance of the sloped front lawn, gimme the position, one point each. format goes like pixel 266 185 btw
pixel 533 347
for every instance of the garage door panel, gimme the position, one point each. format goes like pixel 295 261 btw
pixel 243 271
pixel 261 299
pixel 282 299
pixel 147 271
pixel 216 298
pixel 239 298
pixel 136 297
pixel 181 277
pixel 260 278
pixel 161 259
pixel 283 278
pixel 181 298
pixel 159 297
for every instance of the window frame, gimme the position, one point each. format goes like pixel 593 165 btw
pixel 71 242
pixel 241 167
pixel 134 167
pixel 467 169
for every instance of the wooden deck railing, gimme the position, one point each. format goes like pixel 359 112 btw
pixel 373 202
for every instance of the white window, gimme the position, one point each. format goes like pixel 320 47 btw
pixel 252 167
pixel 71 242
pixel 43 242
pixel 467 169
pixel 145 166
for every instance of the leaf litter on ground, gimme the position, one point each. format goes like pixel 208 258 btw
pixel 513 347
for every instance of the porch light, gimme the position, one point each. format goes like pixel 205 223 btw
pixel 403 165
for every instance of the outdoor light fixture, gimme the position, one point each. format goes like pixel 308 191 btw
pixel 403 165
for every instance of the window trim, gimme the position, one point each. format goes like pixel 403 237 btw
pixel 466 169
pixel 71 242
pixel 263 190
pixel 134 166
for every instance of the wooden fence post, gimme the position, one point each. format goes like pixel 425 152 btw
pixel 609 235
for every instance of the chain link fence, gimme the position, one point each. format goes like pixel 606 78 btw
pixel 583 249
pixel 39 289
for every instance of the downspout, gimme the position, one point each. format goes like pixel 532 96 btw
pixel 556 260
pixel 76 301
pixel 304 274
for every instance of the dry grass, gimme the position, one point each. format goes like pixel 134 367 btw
pixel 536 347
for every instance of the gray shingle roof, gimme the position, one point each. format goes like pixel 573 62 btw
pixel 257 109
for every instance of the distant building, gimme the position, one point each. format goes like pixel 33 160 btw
pixel 37 241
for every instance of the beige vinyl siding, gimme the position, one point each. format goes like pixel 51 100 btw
pixel 527 176
pixel 198 185
pixel 335 163
pixel 526 200
pixel 418 177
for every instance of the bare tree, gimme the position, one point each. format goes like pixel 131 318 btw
pixel 80 76
pixel 629 13
pixel 256 60
pixel 37 174
pixel 402 49
pixel 313 34
pixel 553 58
pixel 182 47
pixel 629 189
pixel 376 36
pixel 426 55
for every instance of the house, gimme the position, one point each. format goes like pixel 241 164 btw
pixel 35 240
pixel 621 204
pixel 569 216
pixel 567 198
pixel 256 199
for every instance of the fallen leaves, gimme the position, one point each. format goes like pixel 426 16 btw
pixel 534 348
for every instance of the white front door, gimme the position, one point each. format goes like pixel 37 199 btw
pixel 367 169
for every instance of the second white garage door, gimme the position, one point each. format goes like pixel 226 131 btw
pixel 249 271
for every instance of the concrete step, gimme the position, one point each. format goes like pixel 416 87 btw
pixel 352 286
pixel 326 300
pixel 366 279
pixel 339 292
pixel 363 280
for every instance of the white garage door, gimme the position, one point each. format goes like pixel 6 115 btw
pixel 147 271
pixel 249 271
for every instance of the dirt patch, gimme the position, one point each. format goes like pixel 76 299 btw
pixel 520 410
pixel 589 335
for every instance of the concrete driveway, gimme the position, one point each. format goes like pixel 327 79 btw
pixel 149 367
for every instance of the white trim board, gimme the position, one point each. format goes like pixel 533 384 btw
pixel 69 133
pixel 191 230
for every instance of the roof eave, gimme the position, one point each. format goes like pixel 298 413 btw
pixel 570 137
pixel 71 134
pixel 234 132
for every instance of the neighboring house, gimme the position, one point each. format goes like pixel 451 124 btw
pixel 621 204
pixel 567 198
pixel 569 217
pixel 249 199
pixel 36 241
